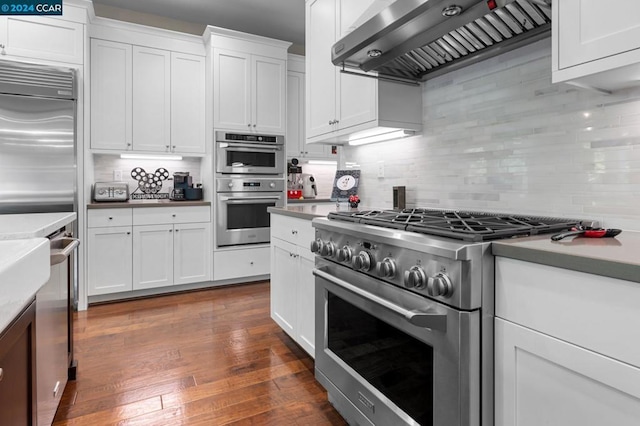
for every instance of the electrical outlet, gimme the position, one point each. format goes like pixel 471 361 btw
pixel 117 175
pixel 380 169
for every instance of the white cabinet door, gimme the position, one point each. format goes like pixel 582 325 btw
pixel 192 253
pixel 187 103
pixel 268 95
pixel 151 99
pixel 152 256
pixel 540 380
pixel 111 107
pixel 592 30
pixel 321 83
pixel 284 276
pixel 232 90
pixel 109 266
pixel 296 143
pixel 41 37
pixel 306 301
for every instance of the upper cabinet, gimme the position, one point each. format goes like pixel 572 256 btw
pixel 249 81
pixel 297 145
pixel 49 38
pixel 339 104
pixel 146 99
pixel 596 44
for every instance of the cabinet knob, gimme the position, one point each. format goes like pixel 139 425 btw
pixel 129 144
pixel 128 233
pixel 251 263
pixel 173 215
pixel 294 232
pixel 173 147
pixel 110 218
pixel 170 230
pixel 249 125
pixel 177 230
pixel 167 146
pixel 254 125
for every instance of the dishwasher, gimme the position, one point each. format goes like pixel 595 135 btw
pixel 54 326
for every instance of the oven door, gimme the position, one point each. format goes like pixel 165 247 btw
pixel 242 217
pixel 247 158
pixel 390 357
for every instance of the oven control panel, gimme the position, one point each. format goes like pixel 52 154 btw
pixel 427 274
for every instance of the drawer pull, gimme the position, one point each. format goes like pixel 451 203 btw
pixel 1 374
pixel 110 218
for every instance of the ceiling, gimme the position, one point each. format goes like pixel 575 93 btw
pixel 279 19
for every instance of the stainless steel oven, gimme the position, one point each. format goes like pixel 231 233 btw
pixel 249 154
pixel 241 209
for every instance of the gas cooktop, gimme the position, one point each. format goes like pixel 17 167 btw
pixel 461 225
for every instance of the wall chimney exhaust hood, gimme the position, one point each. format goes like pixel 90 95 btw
pixel 421 39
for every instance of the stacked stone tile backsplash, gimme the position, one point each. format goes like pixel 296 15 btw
pixel 499 136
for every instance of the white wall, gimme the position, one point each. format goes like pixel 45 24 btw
pixel 498 136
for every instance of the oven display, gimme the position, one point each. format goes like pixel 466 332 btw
pixel 393 362
pixel 251 184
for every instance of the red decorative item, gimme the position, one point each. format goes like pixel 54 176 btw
pixel 354 200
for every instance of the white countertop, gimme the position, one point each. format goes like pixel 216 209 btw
pixel 24 268
pixel 32 225
pixel 24 258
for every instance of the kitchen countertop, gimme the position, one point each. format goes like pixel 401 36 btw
pixel 24 268
pixel 145 203
pixel 309 201
pixel 32 225
pixel 610 257
pixel 309 211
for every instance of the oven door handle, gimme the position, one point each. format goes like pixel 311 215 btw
pixel 239 200
pixel 252 148
pixel 425 319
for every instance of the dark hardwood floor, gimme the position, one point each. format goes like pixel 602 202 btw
pixel 211 357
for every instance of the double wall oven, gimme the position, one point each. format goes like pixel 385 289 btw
pixel 405 311
pixel 249 179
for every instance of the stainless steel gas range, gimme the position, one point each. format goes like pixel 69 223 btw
pixel 405 311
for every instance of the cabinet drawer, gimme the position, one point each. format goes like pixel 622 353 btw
pixel 109 217
pixel 591 311
pixel 294 230
pixel 243 263
pixel 159 215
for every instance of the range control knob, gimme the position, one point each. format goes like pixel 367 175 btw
pixel 316 246
pixel 415 278
pixel 272 185
pixel 386 268
pixel 328 249
pixel 362 262
pixel 440 285
pixel 344 254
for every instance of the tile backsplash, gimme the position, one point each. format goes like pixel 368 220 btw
pixel 499 136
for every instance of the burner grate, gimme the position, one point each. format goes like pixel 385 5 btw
pixel 462 225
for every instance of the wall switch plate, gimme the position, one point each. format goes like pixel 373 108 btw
pixel 380 169
pixel 117 175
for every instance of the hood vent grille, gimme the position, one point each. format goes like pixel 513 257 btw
pixel 516 23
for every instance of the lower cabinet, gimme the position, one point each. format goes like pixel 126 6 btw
pixel 541 380
pixel 110 262
pixel 292 283
pixel 17 370
pixel 157 248
pixel 565 352
pixel 240 263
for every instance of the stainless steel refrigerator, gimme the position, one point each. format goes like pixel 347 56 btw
pixel 37 138
pixel 38 175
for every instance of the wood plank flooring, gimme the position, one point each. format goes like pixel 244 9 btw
pixel 212 357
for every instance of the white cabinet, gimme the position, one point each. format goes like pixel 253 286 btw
pixel 109 251
pixel 151 99
pixel 596 44
pixel 292 281
pixel 148 247
pixel 41 37
pixel 241 263
pixel 146 99
pixel 187 103
pixel 340 104
pixel 295 137
pixel 111 102
pixel 249 92
pixel 563 352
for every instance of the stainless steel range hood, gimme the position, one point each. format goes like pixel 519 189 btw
pixel 417 39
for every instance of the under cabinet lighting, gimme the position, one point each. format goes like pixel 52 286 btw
pixel 323 162
pixel 396 134
pixel 150 157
